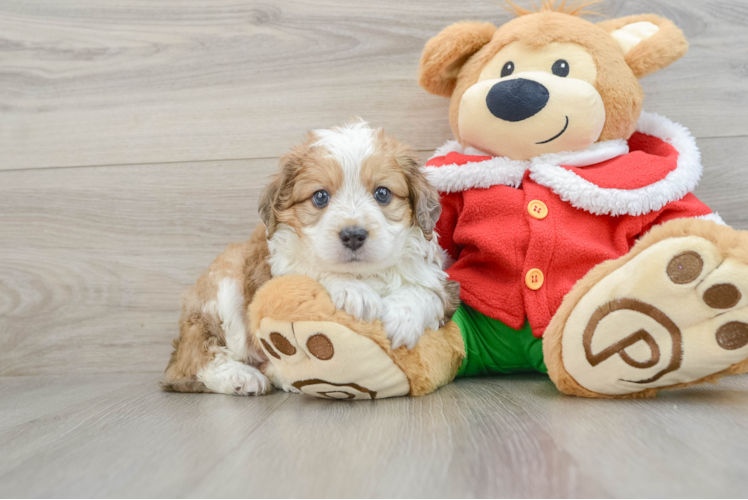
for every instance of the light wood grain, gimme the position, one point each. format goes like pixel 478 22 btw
pixel 513 436
pixel 91 83
pixel 168 115
pixel 131 441
pixel 93 260
pixel 509 437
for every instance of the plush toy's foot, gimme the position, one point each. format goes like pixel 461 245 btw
pixel 672 313
pixel 314 348
pixel 327 359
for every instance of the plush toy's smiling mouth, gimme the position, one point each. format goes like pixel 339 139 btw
pixel 557 135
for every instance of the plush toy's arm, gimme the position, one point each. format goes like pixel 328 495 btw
pixel 452 204
pixel 687 207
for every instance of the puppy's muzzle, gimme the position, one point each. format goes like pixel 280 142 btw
pixel 353 237
pixel 516 100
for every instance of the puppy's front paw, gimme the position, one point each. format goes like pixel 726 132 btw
pixel 356 298
pixel 249 382
pixel 227 376
pixel 403 327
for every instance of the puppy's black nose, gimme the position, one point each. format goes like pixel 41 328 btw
pixel 353 237
pixel 516 100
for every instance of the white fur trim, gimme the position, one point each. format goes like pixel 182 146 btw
pixel 455 147
pixel 448 147
pixel 597 153
pixel 714 217
pixel 477 174
pixel 601 201
pixel 582 194
pixel 499 170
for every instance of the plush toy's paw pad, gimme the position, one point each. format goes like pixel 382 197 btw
pixel 328 360
pixel 674 314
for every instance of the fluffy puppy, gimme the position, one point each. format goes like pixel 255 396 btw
pixel 350 208
pixel 214 352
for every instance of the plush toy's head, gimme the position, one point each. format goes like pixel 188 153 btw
pixel 547 81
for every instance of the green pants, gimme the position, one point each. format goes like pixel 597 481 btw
pixel 491 347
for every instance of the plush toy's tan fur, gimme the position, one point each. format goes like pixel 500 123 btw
pixel 658 52
pixel 564 7
pixel 731 243
pixel 444 55
pixel 431 364
pixel 450 64
pixel 441 74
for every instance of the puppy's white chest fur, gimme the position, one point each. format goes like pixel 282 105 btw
pixel 408 296
pixel 353 210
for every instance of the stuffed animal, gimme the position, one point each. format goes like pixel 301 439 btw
pixel 569 221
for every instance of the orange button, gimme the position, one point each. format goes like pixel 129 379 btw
pixel 534 279
pixel 537 209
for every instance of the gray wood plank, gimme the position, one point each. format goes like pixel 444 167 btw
pixel 512 436
pixel 86 83
pixel 93 260
pixel 133 441
pixel 466 440
pixel 722 185
pixel 499 437
pixel 28 399
pixel 686 444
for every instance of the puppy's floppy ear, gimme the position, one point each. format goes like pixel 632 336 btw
pixel 268 202
pixel 424 198
pixel 649 42
pixel 276 196
pixel 447 52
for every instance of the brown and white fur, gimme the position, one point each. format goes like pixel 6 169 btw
pixel 393 273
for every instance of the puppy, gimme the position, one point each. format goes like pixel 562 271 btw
pixel 350 208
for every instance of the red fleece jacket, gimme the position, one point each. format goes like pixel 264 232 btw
pixel 594 213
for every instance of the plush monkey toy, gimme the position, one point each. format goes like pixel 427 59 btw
pixel 570 222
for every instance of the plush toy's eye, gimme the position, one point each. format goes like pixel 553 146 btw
pixel 383 195
pixel 508 69
pixel 321 198
pixel 560 68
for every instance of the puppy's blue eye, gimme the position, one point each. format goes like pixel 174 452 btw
pixel 383 195
pixel 560 68
pixel 321 198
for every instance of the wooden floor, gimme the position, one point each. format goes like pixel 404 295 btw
pixel 117 435
pixel 134 139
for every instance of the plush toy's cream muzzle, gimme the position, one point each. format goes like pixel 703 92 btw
pixel 530 114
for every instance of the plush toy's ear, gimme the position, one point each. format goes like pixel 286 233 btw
pixel 648 42
pixel 444 55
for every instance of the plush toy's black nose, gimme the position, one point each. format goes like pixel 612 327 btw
pixel 516 100
pixel 353 237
